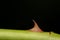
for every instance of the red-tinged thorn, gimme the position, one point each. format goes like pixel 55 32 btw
pixel 36 27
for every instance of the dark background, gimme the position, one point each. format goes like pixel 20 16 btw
pixel 44 12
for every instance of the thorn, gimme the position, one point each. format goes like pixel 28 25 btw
pixel 36 27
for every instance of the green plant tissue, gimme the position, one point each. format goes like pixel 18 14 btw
pixel 6 34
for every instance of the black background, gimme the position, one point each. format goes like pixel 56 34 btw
pixel 44 12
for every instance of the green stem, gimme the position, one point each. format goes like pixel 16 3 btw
pixel 6 34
